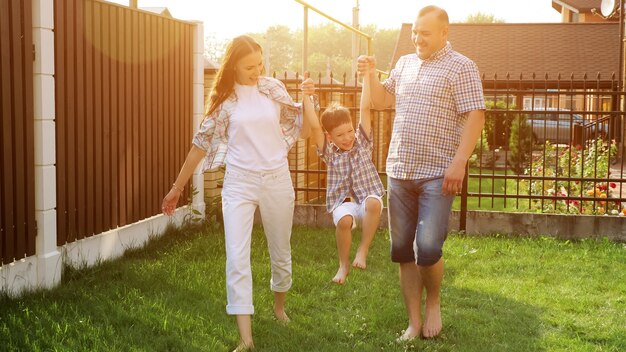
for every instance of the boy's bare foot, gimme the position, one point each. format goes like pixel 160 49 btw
pixel 409 334
pixel 342 274
pixel 360 261
pixel 432 320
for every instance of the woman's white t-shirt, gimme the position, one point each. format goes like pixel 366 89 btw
pixel 255 140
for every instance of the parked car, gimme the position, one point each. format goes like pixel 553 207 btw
pixel 559 126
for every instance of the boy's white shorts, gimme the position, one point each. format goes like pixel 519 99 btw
pixel 356 210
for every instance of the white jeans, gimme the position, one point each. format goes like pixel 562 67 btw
pixel 242 192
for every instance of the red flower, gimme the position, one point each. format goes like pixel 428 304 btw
pixel 612 184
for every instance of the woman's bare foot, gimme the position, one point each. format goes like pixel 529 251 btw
pixel 244 347
pixel 432 320
pixel 342 274
pixel 409 334
pixel 281 316
pixel 360 260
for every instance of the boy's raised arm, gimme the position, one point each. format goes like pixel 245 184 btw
pixel 308 89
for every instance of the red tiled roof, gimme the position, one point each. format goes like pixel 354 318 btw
pixel 581 6
pixel 527 48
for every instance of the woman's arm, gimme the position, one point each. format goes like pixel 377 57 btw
pixel 171 199
pixel 310 117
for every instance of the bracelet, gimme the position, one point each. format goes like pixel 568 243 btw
pixel 177 188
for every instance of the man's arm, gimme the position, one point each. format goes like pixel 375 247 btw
pixel 379 97
pixel 366 119
pixel 453 178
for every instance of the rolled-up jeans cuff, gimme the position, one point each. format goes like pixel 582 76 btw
pixel 232 309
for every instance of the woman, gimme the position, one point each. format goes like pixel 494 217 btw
pixel 250 125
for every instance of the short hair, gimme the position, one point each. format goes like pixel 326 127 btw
pixel 442 15
pixel 335 115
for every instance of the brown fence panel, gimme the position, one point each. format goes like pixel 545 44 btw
pixel 124 99
pixel 17 165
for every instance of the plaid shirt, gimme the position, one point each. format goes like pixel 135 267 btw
pixel 351 172
pixel 212 136
pixel 432 99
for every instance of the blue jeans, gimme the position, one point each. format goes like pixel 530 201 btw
pixel 418 220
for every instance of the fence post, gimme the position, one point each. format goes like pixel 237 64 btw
pixel 49 264
pixel 198 109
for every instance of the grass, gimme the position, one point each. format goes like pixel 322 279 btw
pixel 499 294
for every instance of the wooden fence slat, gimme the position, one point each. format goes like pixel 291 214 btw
pixel 7 147
pixel 142 102
pixel 71 132
pixel 81 121
pixel 19 133
pixel 5 130
pixel 31 224
pixel 89 197
pixel 98 162
pixel 60 79
pixel 162 176
pixel 151 168
pixel 134 65
pixel 107 141
pixel 114 116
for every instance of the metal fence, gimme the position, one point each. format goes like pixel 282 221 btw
pixel 17 162
pixel 123 94
pixel 550 145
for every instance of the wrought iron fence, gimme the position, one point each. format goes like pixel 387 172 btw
pixel 550 145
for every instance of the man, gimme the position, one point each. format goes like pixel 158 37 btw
pixel 439 117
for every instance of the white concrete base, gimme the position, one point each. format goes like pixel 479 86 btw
pixel 112 244
pixel 42 272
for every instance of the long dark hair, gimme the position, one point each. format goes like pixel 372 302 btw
pixel 224 84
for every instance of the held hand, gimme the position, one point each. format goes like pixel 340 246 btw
pixel 308 85
pixel 170 201
pixel 453 178
pixel 365 64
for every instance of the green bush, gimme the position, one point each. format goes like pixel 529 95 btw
pixel 520 144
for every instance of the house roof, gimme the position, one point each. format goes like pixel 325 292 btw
pixel 163 11
pixel 210 65
pixel 527 48
pixel 579 6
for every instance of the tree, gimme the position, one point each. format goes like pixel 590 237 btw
pixel 213 48
pixel 480 17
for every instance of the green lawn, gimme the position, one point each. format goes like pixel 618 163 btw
pixel 499 294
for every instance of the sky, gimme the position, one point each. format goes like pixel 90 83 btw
pixel 225 19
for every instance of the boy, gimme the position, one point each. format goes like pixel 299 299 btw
pixel 351 173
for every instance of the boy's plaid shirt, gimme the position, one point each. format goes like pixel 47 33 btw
pixel 212 136
pixel 351 173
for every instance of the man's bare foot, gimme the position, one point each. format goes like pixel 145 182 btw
pixel 244 347
pixel 342 274
pixel 432 320
pixel 360 261
pixel 409 334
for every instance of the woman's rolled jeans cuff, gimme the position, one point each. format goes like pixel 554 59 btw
pixel 418 220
